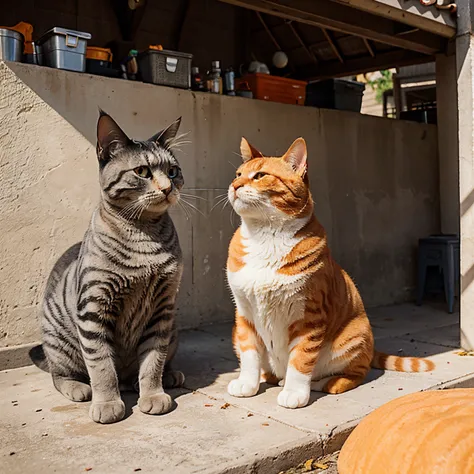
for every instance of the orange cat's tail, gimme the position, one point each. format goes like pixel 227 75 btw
pixel 401 364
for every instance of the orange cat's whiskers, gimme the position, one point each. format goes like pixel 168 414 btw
pixel 222 199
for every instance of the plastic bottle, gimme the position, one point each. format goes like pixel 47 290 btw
pixel 230 81
pixel 197 83
pixel 216 79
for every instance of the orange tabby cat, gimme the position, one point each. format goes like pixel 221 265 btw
pixel 299 318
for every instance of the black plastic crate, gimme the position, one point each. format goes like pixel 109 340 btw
pixel 101 68
pixel 340 94
pixel 165 68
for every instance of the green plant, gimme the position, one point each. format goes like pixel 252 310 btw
pixel 381 84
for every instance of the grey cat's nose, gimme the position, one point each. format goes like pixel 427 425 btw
pixel 166 191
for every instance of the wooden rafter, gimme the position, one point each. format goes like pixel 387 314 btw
pixel 267 29
pixel 369 47
pixel 301 41
pixel 272 37
pixel 339 17
pixel 333 44
pixel 354 66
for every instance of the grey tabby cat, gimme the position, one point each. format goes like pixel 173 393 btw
pixel 108 311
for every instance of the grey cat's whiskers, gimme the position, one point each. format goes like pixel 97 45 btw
pixel 186 212
pixel 193 196
pixel 192 206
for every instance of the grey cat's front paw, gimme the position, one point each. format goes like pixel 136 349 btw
pixel 107 412
pixel 173 379
pixel 73 389
pixel 157 404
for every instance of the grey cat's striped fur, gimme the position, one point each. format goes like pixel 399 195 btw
pixel 108 311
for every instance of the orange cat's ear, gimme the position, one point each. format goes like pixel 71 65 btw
pixel 296 156
pixel 247 151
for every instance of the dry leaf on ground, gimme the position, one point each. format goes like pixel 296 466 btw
pixel 465 353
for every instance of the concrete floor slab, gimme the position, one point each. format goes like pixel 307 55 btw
pixel 399 320
pixel 44 432
pixel 448 336
pixel 47 433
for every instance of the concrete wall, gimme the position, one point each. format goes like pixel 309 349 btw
pixel 375 184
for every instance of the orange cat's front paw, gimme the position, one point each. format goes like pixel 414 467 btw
pixel 293 398
pixel 242 388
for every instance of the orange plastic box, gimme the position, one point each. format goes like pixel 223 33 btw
pixel 275 88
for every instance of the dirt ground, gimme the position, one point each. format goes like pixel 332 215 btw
pixel 324 465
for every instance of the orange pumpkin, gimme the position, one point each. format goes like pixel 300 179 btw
pixel 422 433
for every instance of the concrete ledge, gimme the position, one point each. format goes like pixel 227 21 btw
pixel 16 356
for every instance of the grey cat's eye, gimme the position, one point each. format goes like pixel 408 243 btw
pixel 173 172
pixel 143 172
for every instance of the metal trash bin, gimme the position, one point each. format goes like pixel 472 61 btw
pixel 11 45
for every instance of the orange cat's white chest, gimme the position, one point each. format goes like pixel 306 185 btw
pixel 270 299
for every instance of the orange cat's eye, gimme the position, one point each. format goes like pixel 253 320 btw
pixel 259 175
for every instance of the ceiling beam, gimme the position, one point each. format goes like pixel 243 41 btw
pixel 338 17
pixel 272 37
pixel 302 43
pixel 369 47
pixel 352 67
pixel 269 33
pixel 333 44
pixel 411 12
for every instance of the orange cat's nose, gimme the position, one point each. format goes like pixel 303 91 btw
pixel 238 183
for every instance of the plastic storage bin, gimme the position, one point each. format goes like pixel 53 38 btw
pixel 99 62
pixel 274 88
pixel 165 68
pixel 340 94
pixel 64 49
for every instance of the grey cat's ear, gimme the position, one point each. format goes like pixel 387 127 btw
pixel 248 152
pixel 109 135
pixel 297 156
pixel 166 136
